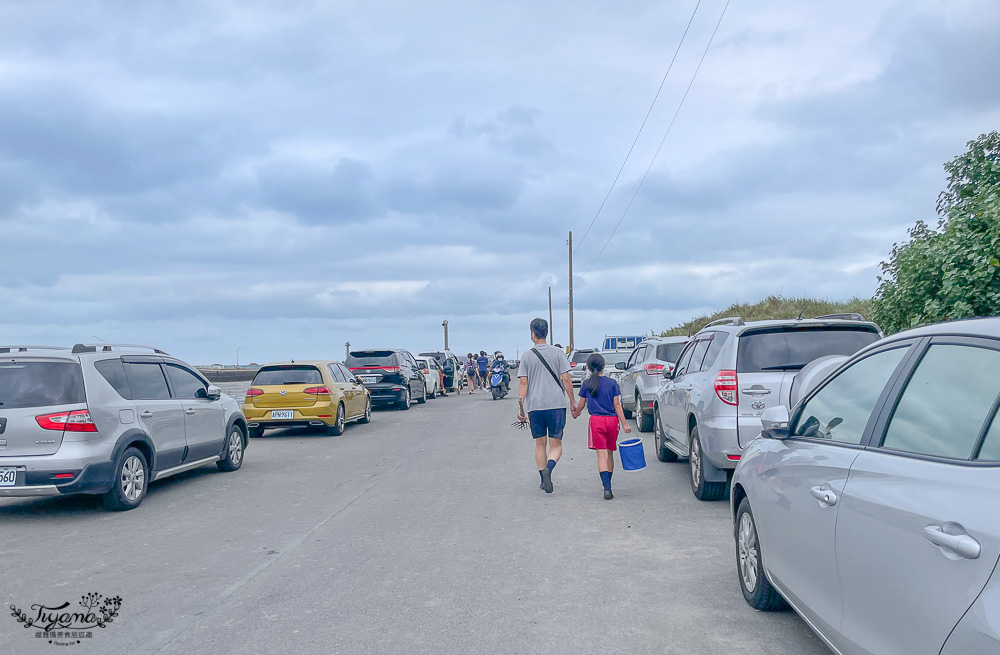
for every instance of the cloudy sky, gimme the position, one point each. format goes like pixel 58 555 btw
pixel 282 177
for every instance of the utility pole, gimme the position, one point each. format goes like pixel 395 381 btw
pixel 551 330
pixel 348 347
pixel 445 325
pixel 572 346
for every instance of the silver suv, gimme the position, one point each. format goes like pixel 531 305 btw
pixel 730 372
pixel 108 419
pixel 643 376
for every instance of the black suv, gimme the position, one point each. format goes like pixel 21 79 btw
pixel 390 374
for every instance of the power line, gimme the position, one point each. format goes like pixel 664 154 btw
pixel 663 140
pixel 636 139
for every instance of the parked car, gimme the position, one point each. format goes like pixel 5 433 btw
pixel 613 359
pixel 870 507
pixel 108 419
pixel 578 364
pixel 432 375
pixel 317 394
pixel 726 377
pixel 450 365
pixel 390 374
pixel 643 376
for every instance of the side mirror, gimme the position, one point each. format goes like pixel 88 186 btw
pixel 621 366
pixel 213 392
pixel 774 423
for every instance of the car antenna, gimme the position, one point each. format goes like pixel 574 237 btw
pixel 799 317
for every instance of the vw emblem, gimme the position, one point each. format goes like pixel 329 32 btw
pixel 757 404
pixel 283 392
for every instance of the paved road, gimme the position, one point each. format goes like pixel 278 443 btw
pixel 424 532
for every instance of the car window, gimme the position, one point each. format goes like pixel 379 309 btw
pixel 335 371
pixel 669 352
pixel 632 358
pixel 685 359
pixel 714 348
pixel 290 374
pixel 362 358
pixel 946 402
pixel 791 348
pixel 185 383
pixel 113 371
pixel 348 376
pixel 580 356
pixel 147 381
pixel 841 409
pixel 40 384
pixel 698 354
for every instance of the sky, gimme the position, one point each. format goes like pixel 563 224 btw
pixel 269 180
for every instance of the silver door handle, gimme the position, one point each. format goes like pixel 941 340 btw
pixel 826 496
pixel 146 414
pixel 755 392
pixel 962 545
pixel 189 411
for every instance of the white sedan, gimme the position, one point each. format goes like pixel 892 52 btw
pixel 431 371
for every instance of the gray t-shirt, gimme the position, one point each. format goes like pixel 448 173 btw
pixel 543 392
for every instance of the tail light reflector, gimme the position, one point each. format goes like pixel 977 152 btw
pixel 78 421
pixel 734 458
pixel 64 476
pixel 725 386
pixel 653 369
pixel 316 391
pixel 391 369
pixel 254 392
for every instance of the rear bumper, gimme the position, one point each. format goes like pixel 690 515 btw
pixel 295 423
pixel 324 411
pixel 94 478
pixel 386 394
pixel 719 442
pixel 577 377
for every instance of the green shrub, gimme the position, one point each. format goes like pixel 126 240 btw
pixel 775 307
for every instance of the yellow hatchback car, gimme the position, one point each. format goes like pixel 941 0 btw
pixel 321 394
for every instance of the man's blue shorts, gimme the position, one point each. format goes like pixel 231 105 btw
pixel 547 422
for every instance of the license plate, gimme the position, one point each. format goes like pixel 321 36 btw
pixel 284 413
pixel 8 475
pixel 369 379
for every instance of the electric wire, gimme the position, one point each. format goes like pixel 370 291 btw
pixel 637 134
pixel 662 141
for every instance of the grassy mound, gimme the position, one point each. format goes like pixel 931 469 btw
pixel 774 307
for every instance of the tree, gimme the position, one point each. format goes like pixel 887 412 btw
pixel 952 271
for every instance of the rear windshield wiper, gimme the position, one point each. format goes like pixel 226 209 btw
pixel 783 367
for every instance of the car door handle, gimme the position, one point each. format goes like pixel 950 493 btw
pixel 755 392
pixel 963 545
pixel 146 414
pixel 824 495
pixel 189 411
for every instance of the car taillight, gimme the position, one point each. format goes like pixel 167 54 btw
pixel 254 392
pixel 653 369
pixel 725 386
pixel 572 364
pixel 316 391
pixel 78 421
pixel 391 369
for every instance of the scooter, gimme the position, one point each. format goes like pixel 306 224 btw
pixel 498 383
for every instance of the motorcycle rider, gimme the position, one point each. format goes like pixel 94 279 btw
pixel 498 360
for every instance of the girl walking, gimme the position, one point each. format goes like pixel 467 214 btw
pixel 602 397
pixel 470 373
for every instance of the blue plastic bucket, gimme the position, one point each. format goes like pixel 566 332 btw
pixel 631 454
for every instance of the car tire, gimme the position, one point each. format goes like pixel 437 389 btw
pixel 643 421
pixel 628 412
pixel 663 453
pixel 337 428
pixel 433 394
pixel 256 433
pixel 756 588
pixel 422 399
pixel 703 490
pixel 367 418
pixel 404 404
pixel 131 480
pixel 232 455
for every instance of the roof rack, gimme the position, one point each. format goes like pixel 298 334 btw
pixel 733 320
pixel 108 347
pixel 23 349
pixel 847 316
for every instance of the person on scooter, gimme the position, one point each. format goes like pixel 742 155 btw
pixel 498 360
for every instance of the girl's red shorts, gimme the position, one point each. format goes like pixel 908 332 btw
pixel 603 433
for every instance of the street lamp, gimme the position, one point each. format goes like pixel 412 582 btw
pixel 238 356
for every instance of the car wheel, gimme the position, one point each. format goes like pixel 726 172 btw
pixel 663 453
pixel 702 489
pixel 643 421
pixel 367 418
pixel 404 404
pixel 131 480
pixel 433 394
pixel 256 433
pixel 232 457
pixel 756 588
pixel 423 398
pixel 337 428
pixel 628 412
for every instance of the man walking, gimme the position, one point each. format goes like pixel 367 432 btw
pixel 543 389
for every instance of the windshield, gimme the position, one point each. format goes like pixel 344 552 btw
pixel 792 348
pixel 277 375
pixel 580 356
pixel 40 384
pixel 612 358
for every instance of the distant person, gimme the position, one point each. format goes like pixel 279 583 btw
pixel 483 364
pixel 603 399
pixel 544 386
pixel 470 372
